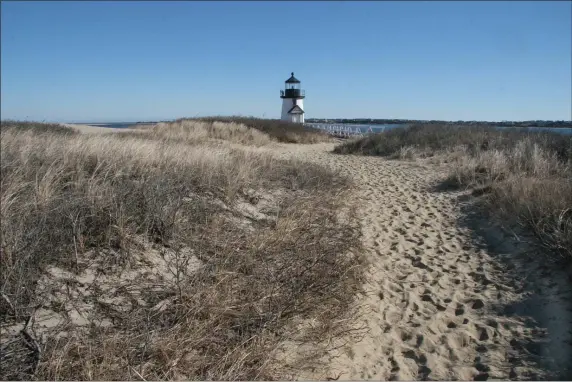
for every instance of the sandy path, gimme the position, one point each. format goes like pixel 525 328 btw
pixel 440 303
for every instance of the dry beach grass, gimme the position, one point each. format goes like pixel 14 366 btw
pixel 144 255
pixel 281 131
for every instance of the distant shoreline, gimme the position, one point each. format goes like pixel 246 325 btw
pixel 363 121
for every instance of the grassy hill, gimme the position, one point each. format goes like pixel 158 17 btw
pixel 179 251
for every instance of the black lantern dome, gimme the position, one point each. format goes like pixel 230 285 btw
pixel 292 80
pixel 292 88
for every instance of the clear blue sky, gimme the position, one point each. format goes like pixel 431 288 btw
pixel 125 61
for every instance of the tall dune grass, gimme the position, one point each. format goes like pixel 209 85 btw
pixel 240 130
pixel 36 127
pixel 196 132
pixel 527 184
pixel 428 139
pixel 102 231
pixel 278 130
pixel 527 176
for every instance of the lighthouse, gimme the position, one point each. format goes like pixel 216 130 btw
pixel 292 101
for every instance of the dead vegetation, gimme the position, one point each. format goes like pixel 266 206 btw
pixel 147 256
pixel 281 131
pixel 198 132
pixel 239 130
pixel 524 177
pixel 37 127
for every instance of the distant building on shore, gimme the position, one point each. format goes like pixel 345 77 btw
pixel 292 101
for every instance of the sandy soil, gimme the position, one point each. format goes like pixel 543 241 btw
pixel 449 295
pixel 90 129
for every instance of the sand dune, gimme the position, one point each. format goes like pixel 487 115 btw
pixel 448 297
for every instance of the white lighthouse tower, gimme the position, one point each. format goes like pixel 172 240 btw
pixel 292 101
